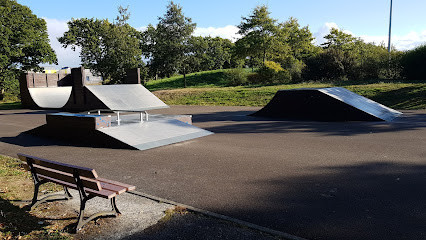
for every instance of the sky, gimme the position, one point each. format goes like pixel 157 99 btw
pixel 367 19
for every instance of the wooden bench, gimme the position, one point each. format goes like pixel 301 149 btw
pixel 85 180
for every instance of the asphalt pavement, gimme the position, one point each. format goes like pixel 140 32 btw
pixel 316 180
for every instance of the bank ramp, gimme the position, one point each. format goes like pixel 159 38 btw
pixel 325 104
pixel 126 97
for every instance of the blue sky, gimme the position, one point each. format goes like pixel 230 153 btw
pixel 368 19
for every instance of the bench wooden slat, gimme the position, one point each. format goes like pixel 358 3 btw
pixel 66 177
pixel 63 167
pixel 127 186
pixel 104 193
pixel 114 188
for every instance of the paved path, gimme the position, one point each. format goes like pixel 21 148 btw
pixel 313 180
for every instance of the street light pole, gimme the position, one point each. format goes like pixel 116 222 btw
pixel 390 27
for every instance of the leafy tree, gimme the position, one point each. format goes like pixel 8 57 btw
pixel 167 44
pixel 414 62
pixel 24 43
pixel 258 32
pixel 207 53
pixel 347 57
pixel 298 38
pixel 106 48
pixel 339 39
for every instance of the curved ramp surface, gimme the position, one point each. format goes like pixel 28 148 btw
pixel 54 97
pixel 325 104
pixel 126 97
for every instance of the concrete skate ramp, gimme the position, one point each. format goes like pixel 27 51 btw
pixel 50 97
pixel 126 97
pixel 146 135
pixel 325 104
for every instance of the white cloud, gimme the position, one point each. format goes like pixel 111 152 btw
pixel 66 56
pixel 324 30
pixel 229 32
pixel 401 42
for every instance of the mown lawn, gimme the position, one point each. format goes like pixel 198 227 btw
pixel 211 88
pixel 404 96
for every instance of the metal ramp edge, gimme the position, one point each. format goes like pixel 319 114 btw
pixel 147 135
pixel 361 103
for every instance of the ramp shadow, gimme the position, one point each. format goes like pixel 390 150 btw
pixel 44 136
pixel 238 122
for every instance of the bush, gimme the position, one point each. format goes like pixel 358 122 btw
pixel 235 77
pixel 9 85
pixel 271 73
pixel 413 63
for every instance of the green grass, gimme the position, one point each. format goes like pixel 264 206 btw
pixel 15 222
pixel 205 79
pixel 210 88
pixel 6 105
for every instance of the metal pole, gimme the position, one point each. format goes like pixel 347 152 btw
pixel 390 27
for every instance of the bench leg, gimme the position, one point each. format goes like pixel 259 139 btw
pixel 35 195
pixel 81 221
pixel 46 197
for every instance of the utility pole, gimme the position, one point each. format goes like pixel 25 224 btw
pixel 390 27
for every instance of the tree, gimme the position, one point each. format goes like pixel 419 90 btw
pixel 167 43
pixel 347 57
pixel 258 32
pixel 107 48
pixel 24 43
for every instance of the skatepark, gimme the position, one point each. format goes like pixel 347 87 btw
pixel 311 179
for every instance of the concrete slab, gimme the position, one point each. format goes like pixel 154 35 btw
pixel 317 180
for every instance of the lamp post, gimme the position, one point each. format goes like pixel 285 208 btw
pixel 390 27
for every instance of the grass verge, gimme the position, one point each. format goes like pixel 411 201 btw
pixel 404 96
pixel 6 105
pixel 15 221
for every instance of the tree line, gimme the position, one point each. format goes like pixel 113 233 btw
pixel 277 52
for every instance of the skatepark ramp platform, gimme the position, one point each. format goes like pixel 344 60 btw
pixel 130 132
pixel 325 104
pixel 130 127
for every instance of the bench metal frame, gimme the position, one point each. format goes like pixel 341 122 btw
pixel 84 197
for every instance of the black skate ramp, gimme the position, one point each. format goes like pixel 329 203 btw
pixel 325 104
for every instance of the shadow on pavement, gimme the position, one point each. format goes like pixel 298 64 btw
pixel 376 200
pixel 43 136
pixel 195 226
pixel 239 122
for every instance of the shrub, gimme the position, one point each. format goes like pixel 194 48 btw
pixel 271 73
pixel 235 77
pixel 413 63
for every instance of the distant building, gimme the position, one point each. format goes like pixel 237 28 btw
pixel 92 79
pixel 49 70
